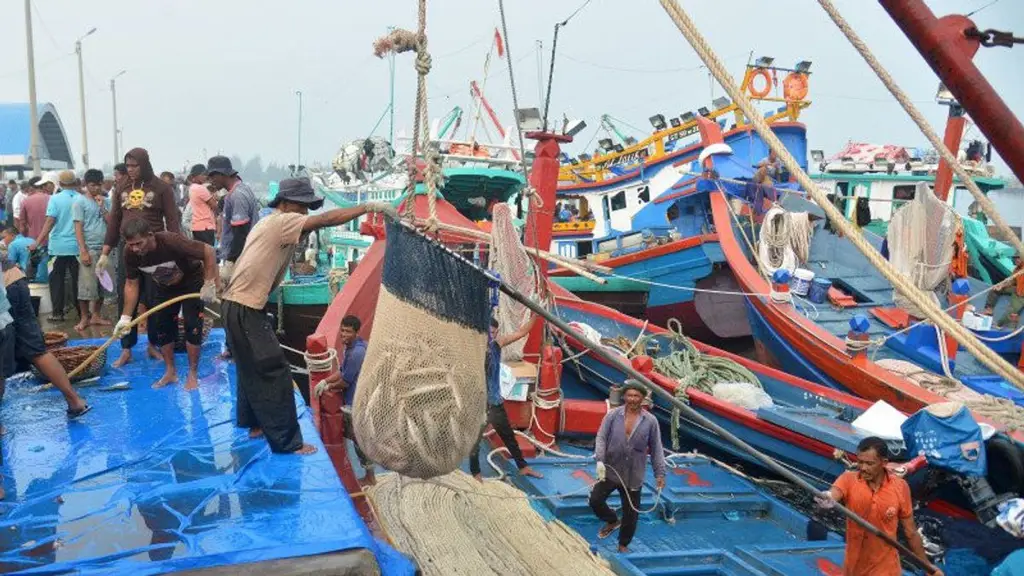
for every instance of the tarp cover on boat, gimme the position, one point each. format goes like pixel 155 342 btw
pixel 154 481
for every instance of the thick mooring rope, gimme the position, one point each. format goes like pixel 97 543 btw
pixel 986 205
pixel 931 310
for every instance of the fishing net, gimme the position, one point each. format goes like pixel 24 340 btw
pixel 420 400
pixel 920 238
pixel 509 259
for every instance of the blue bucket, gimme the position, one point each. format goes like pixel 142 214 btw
pixel 818 292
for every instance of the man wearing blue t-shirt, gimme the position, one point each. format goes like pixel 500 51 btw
pixel 496 415
pixel 59 234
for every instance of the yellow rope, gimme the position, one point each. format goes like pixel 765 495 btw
pixel 931 310
pixel 140 318
pixel 883 75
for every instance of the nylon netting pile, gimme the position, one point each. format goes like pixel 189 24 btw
pixel 420 400
pixel 509 259
pixel 455 525
pixel 920 239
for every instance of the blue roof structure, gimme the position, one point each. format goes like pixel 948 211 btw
pixel 15 138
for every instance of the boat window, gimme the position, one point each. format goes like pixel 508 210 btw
pixel 583 248
pixel 672 213
pixel 645 194
pixel 619 201
pixel 607 210
pixel 904 192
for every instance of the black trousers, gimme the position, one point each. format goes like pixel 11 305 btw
pixel 265 397
pixel 497 417
pixel 599 504
pixel 351 435
pixel 205 236
pixel 63 265
pixel 145 298
pixel 164 325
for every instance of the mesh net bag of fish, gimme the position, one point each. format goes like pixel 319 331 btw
pixel 509 259
pixel 421 400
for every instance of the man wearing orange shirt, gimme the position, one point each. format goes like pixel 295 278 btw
pixel 882 499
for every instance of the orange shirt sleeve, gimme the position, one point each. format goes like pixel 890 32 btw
pixel 906 508
pixel 843 483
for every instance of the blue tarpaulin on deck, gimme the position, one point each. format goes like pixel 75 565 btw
pixel 153 481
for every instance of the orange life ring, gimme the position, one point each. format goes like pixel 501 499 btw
pixel 794 86
pixel 760 73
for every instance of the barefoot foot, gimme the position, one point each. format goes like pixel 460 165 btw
pixel 192 381
pixel 169 378
pixel 82 325
pixel 124 358
pixel 255 433
pixel 100 321
pixel 153 353
pixel 306 450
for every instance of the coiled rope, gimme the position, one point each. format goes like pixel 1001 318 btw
pixel 986 205
pixel 931 310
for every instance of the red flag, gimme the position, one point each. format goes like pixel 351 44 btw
pixel 499 43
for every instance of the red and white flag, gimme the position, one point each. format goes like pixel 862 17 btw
pixel 499 43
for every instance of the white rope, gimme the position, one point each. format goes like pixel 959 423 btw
pixel 984 354
pixel 912 111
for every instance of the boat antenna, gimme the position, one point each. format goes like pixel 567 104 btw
pixel 551 69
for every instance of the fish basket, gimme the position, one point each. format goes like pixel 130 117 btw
pixel 71 356
pixel 179 342
pixel 54 340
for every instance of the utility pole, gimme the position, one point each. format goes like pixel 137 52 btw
pixel 540 73
pixel 299 162
pixel 113 99
pixel 33 113
pixel 81 98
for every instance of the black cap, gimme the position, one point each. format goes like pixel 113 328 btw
pixel 199 170
pixel 220 165
pixel 33 182
pixel 297 190
pixel 93 176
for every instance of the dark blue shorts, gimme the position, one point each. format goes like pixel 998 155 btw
pixel 28 336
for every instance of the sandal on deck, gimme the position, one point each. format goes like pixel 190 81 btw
pixel 607 531
pixel 73 414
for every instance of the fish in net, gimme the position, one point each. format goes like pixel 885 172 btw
pixel 420 400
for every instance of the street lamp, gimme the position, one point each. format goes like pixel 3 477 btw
pixel 81 96
pixel 113 99
pixel 299 94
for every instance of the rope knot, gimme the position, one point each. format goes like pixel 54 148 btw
pixel 423 60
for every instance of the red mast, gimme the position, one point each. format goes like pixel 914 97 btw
pixel 948 49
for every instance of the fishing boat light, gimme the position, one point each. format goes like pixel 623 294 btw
pixel 703 111
pixel 687 117
pixel 618 148
pixel 630 141
pixel 674 122
pixel 605 143
pixel 658 121
pixel 944 96
pixel 529 120
pixel 574 127
pixel 721 102
pixel 803 66
pixel 764 61
pixel 584 157
pixel 817 155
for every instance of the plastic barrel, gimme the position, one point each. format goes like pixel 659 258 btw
pixel 818 292
pixel 802 279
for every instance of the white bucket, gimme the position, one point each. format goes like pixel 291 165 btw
pixel 802 279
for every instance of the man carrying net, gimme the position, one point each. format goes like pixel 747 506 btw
pixel 266 404
pixel 496 415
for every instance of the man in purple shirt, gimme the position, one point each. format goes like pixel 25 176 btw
pixel 355 351
pixel 626 435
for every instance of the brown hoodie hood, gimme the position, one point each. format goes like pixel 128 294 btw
pixel 149 197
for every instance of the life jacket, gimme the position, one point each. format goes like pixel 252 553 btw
pixel 958 265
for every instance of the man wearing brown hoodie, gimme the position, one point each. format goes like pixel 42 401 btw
pixel 141 195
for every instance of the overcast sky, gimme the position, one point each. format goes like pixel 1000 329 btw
pixel 222 74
